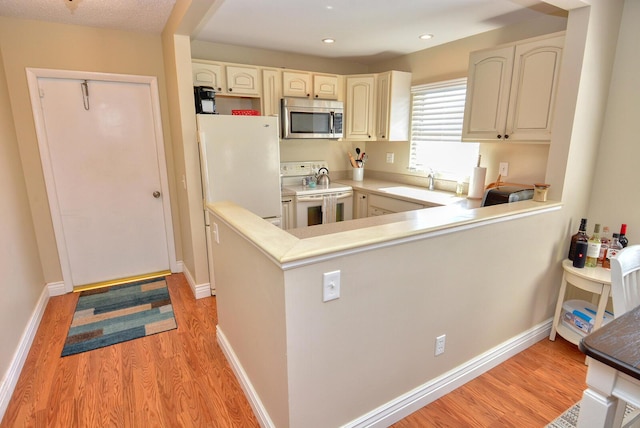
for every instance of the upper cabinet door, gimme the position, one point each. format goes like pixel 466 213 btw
pixel 360 107
pixel 325 86
pixel 533 89
pixel 271 92
pixel 208 75
pixel 242 81
pixel 393 106
pixel 488 85
pixel 296 84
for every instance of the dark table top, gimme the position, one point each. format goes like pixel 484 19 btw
pixel 617 344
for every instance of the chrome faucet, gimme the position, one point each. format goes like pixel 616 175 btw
pixel 431 176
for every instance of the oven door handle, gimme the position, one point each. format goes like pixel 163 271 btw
pixel 344 195
pixel 309 198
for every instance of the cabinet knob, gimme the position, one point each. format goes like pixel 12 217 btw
pixel 230 89
pixel 316 96
pixel 499 136
pixel 506 137
pixel 219 89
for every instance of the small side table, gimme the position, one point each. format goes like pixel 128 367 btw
pixel 595 280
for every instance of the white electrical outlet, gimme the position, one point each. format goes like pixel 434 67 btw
pixel 504 169
pixel 390 157
pixel 330 285
pixel 440 344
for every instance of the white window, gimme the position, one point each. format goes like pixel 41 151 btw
pixel 436 130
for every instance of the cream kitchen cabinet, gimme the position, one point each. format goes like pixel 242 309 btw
pixel 227 79
pixel 511 91
pixel 360 204
pixel 359 107
pixel 271 92
pixel 288 220
pixel 380 205
pixel 310 85
pixel 393 106
pixel 242 80
pixel 208 74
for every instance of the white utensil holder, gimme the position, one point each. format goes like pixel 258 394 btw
pixel 358 174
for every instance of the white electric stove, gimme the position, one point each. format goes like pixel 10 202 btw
pixel 315 204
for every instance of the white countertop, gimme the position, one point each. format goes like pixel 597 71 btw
pixel 406 192
pixel 314 241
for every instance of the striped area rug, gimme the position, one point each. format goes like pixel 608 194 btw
pixel 106 316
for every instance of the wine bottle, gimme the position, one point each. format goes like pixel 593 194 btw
pixel 582 232
pixel 622 238
pixel 605 240
pixel 593 252
pixel 614 248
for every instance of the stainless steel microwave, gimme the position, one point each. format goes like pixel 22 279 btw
pixel 303 118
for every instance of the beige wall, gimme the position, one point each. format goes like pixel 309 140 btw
pixel 38 44
pixel 272 58
pixel 480 286
pixel 22 278
pixel 615 197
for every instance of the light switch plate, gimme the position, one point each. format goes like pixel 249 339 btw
pixel 330 285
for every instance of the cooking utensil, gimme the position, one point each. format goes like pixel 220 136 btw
pixel 352 160
pixel 357 152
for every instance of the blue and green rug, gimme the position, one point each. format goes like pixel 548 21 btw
pixel 106 316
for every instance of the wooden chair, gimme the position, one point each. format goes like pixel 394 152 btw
pixel 625 280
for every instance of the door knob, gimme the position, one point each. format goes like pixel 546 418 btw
pixel 156 194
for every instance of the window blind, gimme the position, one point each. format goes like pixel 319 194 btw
pixel 436 129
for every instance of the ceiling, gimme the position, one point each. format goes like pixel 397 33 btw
pixel 365 31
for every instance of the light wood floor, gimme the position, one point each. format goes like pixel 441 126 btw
pixel 181 378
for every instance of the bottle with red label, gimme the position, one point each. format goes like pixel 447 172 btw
pixel 614 248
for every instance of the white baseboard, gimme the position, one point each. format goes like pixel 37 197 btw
pixel 10 378
pixel 254 400
pixel 199 291
pixel 56 288
pixel 404 405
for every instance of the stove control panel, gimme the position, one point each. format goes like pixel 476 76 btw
pixel 301 169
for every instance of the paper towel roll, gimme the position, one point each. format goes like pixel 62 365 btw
pixel 476 184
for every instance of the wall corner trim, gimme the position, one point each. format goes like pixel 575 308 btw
pixel 200 291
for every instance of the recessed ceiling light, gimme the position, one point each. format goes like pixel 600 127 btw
pixel 328 40
pixel 425 36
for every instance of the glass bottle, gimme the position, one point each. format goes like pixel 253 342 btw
pixel 622 238
pixel 593 251
pixel 614 248
pixel 582 232
pixel 605 240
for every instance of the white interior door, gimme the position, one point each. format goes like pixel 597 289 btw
pixel 105 177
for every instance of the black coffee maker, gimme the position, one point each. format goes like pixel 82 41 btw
pixel 205 97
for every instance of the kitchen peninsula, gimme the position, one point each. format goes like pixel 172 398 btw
pixel 404 279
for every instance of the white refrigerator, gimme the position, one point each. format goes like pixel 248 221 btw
pixel 240 160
